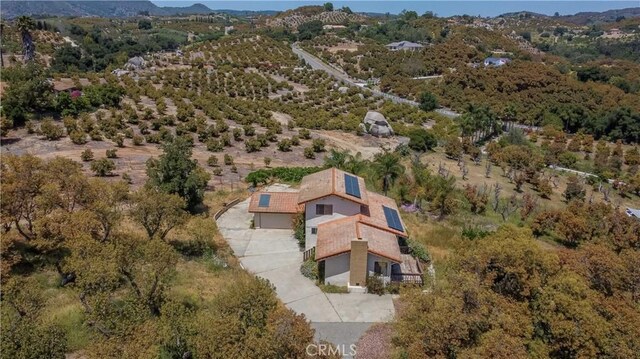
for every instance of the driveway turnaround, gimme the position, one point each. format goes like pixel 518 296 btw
pixel 274 254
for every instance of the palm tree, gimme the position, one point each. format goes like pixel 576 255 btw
pixel 1 42
pixel 25 24
pixel 387 166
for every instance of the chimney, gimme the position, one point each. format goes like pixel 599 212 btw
pixel 358 263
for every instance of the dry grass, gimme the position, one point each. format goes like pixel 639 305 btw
pixel 477 176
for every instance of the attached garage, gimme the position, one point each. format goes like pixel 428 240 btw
pixel 273 220
pixel 274 210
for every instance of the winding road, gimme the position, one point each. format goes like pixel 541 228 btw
pixel 340 75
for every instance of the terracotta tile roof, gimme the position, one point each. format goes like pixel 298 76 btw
pixel 280 202
pixel 335 238
pixel 329 182
pixel 376 216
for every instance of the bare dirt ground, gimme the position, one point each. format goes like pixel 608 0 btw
pixel 376 342
pixel 132 159
pixel 367 145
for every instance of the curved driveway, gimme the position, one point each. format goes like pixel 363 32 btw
pixel 273 254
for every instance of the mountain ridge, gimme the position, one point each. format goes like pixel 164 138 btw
pixel 12 8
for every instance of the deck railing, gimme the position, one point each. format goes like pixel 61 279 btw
pixel 407 278
pixel 309 253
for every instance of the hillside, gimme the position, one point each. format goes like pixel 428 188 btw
pixel 12 9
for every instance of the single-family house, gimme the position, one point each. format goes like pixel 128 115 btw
pixel 405 46
pixel 354 233
pixel 496 61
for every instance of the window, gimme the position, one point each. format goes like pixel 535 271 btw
pixel 314 230
pixel 322 209
pixel 380 268
pixel 364 210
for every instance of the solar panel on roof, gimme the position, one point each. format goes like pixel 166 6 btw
pixel 352 187
pixel 264 200
pixel 393 219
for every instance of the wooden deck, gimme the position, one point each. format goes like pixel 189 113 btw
pixel 410 270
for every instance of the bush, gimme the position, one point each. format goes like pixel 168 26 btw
pixel 217 171
pixel 309 153
pixel 299 229
pixel 420 140
pixel 138 140
pixel 50 130
pixel 234 169
pixel 284 174
pixel 228 160
pixel 428 101
pixel 252 145
pixel 284 145
pixel 212 161
pixel 318 145
pixel 304 133
pixel 95 135
pixel 237 134
pixel 249 130
pixel 119 140
pixel 127 178
pixel 267 161
pixel 87 155
pixel 103 167
pixel 419 251
pixel 309 269
pixel 375 285
pixel 78 137
pixel 214 145
pixel 112 153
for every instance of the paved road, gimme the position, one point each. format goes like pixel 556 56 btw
pixel 273 254
pixel 338 74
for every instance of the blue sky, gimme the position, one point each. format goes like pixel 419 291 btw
pixel 442 8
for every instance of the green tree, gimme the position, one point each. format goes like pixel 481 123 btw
pixel 428 101
pixel 103 167
pixel 175 172
pixel 421 140
pixel 28 91
pixel 158 212
pixel 25 24
pixel 574 189
pixel 309 30
pixel 387 167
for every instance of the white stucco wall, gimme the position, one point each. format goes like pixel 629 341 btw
pixel 273 220
pixel 336 270
pixel 341 208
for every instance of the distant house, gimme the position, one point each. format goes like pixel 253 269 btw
pixel 404 45
pixel 632 212
pixel 496 61
pixel 333 27
pixel 354 233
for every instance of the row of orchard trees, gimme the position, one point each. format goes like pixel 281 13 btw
pixel 111 247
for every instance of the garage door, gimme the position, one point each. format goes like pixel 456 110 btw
pixel 274 220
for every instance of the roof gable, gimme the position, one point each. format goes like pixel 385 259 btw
pixel 329 182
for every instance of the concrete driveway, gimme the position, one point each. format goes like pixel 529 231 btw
pixel 273 254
